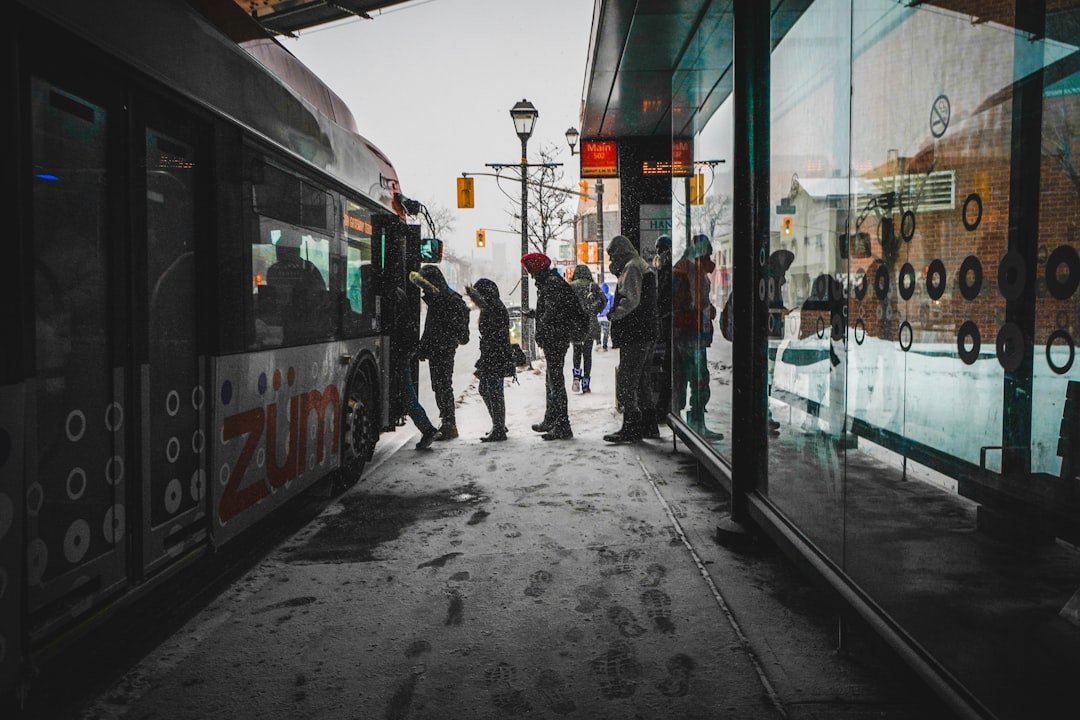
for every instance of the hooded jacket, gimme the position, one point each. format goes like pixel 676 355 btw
pixel 494 326
pixel 590 296
pixel 445 307
pixel 633 311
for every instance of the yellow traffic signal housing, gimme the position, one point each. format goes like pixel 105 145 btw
pixel 697 189
pixel 464 192
pixel 583 252
pixel 789 224
pixel 481 239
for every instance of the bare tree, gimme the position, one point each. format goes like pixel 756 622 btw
pixel 440 219
pixel 714 217
pixel 548 215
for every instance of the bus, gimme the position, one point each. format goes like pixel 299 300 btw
pixel 192 294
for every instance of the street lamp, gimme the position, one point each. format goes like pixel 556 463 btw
pixel 572 136
pixel 524 116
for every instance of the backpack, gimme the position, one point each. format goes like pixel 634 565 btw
pixel 579 321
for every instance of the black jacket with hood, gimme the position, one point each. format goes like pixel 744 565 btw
pixel 633 312
pixel 442 333
pixel 494 325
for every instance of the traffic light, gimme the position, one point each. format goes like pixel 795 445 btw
pixel 464 192
pixel 481 239
pixel 584 185
pixel 697 189
pixel 583 252
pixel 789 224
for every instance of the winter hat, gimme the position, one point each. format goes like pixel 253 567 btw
pixel 663 243
pixel 535 262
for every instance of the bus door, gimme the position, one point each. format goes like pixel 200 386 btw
pixel 169 150
pixel 77 467
pixel 400 245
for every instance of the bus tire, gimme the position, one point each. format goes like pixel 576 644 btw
pixel 358 428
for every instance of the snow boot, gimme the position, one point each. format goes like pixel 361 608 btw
pixel 649 429
pixel 585 384
pixel 577 380
pixel 630 432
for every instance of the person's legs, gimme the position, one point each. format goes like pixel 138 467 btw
pixel 415 410
pixel 628 380
pixel 556 386
pixel 491 390
pixel 645 403
pixel 579 350
pixel 586 366
pixel 442 377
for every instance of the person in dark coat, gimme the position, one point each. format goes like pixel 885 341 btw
pixel 439 343
pixel 496 361
pixel 555 301
pixel 662 265
pixel 633 332
pixel 593 300
pixel 693 316
pixel 405 334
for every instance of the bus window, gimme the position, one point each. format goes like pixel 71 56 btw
pixel 361 271
pixel 291 270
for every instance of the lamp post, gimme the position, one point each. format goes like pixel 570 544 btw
pixel 572 136
pixel 524 115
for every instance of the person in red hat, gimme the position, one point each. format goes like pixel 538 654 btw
pixel 555 304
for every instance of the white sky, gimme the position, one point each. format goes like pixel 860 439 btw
pixel 431 83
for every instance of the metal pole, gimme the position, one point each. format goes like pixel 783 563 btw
pixel 526 324
pixel 600 226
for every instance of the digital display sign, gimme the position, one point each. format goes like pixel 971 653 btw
pixel 599 159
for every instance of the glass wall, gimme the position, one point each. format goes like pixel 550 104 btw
pixel 923 395
pixel 924 266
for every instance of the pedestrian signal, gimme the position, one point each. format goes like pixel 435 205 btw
pixel 789 223
pixel 481 239
pixel 697 189
pixel 464 192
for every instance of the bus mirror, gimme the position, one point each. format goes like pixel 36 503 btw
pixel 431 250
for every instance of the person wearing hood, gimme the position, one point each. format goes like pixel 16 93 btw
pixel 633 332
pixel 554 303
pixel 662 265
pixel 446 327
pixel 496 361
pixel 592 298
pixel 693 314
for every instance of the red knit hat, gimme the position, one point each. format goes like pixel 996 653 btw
pixel 535 262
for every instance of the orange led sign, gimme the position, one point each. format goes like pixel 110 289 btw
pixel 599 159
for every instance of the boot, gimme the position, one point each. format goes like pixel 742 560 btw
pixel 630 432
pixel 559 431
pixel 585 384
pixel 649 429
pixel 448 431
pixel 427 437
pixel 577 380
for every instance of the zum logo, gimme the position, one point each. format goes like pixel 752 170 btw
pixel 254 423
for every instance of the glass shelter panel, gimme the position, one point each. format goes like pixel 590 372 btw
pixel 702 247
pixel 807 273
pixel 923 386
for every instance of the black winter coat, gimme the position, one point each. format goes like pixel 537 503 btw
pixel 494 326
pixel 440 337
pixel 555 301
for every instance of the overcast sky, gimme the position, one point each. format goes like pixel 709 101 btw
pixel 431 83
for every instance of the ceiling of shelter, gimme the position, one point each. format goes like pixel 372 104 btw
pixel 290 16
pixel 663 67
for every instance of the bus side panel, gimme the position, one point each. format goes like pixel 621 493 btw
pixel 12 407
pixel 277 428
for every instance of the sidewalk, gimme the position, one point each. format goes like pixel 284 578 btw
pixel 524 578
